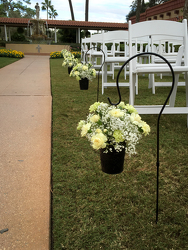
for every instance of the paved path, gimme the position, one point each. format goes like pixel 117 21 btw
pixel 25 154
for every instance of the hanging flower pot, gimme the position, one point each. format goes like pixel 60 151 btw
pixel 112 162
pixel 84 83
pixel 70 69
pixel 83 73
pixel 112 130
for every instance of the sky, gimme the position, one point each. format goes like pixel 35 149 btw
pixel 99 10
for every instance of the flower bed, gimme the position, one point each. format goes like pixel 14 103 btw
pixel 56 54
pixel 77 54
pixel 59 54
pixel 11 53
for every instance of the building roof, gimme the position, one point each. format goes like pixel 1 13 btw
pixel 61 24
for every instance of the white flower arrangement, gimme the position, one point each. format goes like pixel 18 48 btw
pixel 66 53
pixel 81 71
pixel 109 126
pixel 70 61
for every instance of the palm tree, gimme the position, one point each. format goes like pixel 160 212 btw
pixel 46 5
pixel 71 10
pixel 185 10
pixel 138 9
pixel 86 10
pixel 52 13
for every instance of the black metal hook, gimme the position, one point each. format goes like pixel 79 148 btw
pixel 99 69
pixel 173 77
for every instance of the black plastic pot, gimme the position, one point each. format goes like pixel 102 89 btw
pixel 69 69
pixel 84 84
pixel 112 162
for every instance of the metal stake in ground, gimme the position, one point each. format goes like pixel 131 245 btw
pixel 99 69
pixel 117 85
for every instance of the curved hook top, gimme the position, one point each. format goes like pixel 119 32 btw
pixel 99 69
pixel 95 48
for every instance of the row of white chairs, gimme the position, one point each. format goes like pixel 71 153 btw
pixel 151 33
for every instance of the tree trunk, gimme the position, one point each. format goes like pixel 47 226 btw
pixel 71 10
pixel 138 11
pixel 86 10
pixel 185 10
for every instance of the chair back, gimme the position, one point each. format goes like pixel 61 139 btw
pixel 159 30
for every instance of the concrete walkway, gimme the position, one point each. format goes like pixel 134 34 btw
pixel 25 154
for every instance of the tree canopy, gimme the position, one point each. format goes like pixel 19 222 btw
pixel 46 5
pixel 13 8
pixel 10 8
pixel 52 12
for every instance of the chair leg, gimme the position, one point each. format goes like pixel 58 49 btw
pixel 112 68
pixel 132 82
pixel 173 95
pixel 136 84
pixel 125 72
pixel 152 83
pixel 104 76
pixel 186 89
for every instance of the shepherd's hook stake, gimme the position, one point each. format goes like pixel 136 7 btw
pixel 117 85
pixel 99 69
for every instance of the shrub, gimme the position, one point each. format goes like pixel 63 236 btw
pixel 18 37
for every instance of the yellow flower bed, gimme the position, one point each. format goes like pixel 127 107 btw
pixel 77 54
pixel 58 54
pixel 11 53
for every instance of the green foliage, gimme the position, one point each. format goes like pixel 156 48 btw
pixel 11 53
pixel 29 13
pixel 75 47
pixel 52 12
pixel 93 210
pixel 18 37
pixel 2 43
pixel 133 7
pixel 156 2
pixel 46 5
pixel 16 9
pixel 67 35
pixel 20 30
pixel 2 11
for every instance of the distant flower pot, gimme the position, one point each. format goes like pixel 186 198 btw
pixel 69 69
pixel 84 83
pixel 112 162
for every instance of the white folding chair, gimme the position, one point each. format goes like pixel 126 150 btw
pixel 112 58
pixel 166 28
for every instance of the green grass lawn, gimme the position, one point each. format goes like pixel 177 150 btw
pixel 94 210
pixel 4 61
